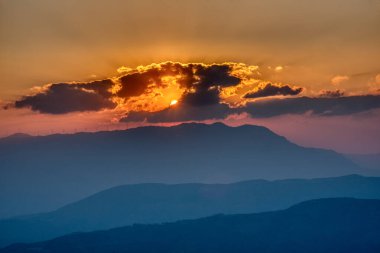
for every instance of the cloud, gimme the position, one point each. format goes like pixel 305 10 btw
pixel 145 88
pixel 63 98
pixel 331 93
pixel 206 90
pixel 279 68
pixel 323 106
pixel 201 82
pixel 273 90
pixel 377 79
pixel 336 80
pixel 202 97
pixel 135 84
pixel 203 91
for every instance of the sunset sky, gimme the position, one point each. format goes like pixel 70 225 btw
pixel 308 70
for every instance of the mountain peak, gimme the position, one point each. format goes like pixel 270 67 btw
pixel 186 153
pixel 18 136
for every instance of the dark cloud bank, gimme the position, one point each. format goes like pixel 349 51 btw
pixel 331 93
pixel 200 100
pixel 63 98
pixel 273 90
pixel 201 82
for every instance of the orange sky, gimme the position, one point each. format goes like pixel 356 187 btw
pixel 44 41
pixel 319 46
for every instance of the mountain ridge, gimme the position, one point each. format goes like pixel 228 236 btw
pixel 312 226
pixel 178 154
pixel 154 203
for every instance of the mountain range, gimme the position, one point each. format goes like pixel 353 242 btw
pixel 339 225
pixel 157 203
pixel 42 173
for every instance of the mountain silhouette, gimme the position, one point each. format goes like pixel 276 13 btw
pixel 156 203
pixel 45 172
pixel 324 225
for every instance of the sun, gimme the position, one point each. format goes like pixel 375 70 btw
pixel 173 102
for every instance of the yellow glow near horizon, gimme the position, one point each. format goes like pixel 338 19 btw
pixel 173 102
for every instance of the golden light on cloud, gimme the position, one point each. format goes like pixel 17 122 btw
pixel 377 79
pixel 233 96
pixel 124 69
pixel 336 80
pixel 279 68
pixel 156 97
pixel 156 87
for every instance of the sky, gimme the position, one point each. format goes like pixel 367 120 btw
pixel 308 70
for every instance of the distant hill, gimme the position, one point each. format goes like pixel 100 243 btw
pixel 316 226
pixel 16 136
pixel 155 203
pixel 43 173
